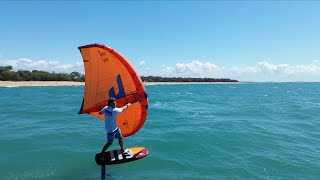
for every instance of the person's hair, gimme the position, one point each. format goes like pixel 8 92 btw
pixel 111 99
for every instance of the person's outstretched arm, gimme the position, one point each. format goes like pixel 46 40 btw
pixel 101 111
pixel 126 106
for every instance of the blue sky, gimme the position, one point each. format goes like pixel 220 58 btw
pixel 248 41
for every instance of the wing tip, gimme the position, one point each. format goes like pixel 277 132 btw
pixel 91 45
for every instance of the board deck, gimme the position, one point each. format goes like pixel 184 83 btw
pixel 115 157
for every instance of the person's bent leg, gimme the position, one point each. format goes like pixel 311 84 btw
pixel 110 138
pixel 121 144
pixel 106 146
pixel 118 135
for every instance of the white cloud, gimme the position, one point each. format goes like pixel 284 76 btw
pixel 196 67
pixel 192 69
pixel 43 65
pixel 142 63
pixel 263 71
pixel 168 70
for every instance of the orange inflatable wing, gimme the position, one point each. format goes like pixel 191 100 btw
pixel 109 74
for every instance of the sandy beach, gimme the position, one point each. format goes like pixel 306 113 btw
pixel 39 83
pixel 68 83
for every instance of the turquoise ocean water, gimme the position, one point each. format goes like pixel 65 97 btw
pixel 217 131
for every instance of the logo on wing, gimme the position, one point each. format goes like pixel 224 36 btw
pixel 121 92
pixel 103 56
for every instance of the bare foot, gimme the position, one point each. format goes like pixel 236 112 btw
pixel 125 152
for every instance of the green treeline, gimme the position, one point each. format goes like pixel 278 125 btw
pixel 181 79
pixel 6 74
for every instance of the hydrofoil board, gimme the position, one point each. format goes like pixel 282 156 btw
pixel 116 157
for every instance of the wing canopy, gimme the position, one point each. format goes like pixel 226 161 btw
pixel 109 74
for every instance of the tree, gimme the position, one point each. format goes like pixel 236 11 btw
pixel 75 75
pixel 5 68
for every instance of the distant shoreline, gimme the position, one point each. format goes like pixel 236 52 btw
pixel 71 83
pixel 39 83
